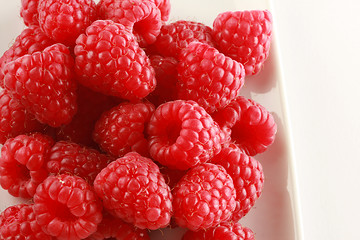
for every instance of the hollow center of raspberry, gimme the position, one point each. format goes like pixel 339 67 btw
pixel 173 132
pixel 241 133
pixel 61 211
pixel 22 172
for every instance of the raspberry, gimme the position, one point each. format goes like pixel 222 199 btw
pixel 178 35
pixel 228 231
pixel 29 12
pixel 22 163
pixel 204 197
pixel 43 83
pixel 133 189
pixel 110 61
pixel 166 77
pixel 247 175
pixel 71 158
pixel 30 40
pixel 182 135
pixel 115 228
pixel 18 222
pixel 251 126
pixel 90 107
pixel 142 18
pixel 208 77
pixel 121 129
pixel 14 119
pixel 164 7
pixel 245 36
pixel 64 21
pixel 66 207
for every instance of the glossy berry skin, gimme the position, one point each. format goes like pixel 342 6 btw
pixel 166 77
pixel 208 77
pixel 29 12
pixel 244 36
pixel 67 208
pixel 251 127
pixel 18 222
pixel 142 18
pixel 121 129
pixel 110 61
pixel 164 7
pixel 63 21
pixel 229 231
pixel 74 159
pixel 30 40
pixel 248 177
pixel 178 35
pixel 22 163
pixel 182 135
pixel 43 83
pixel 114 228
pixel 14 118
pixel 204 197
pixel 133 189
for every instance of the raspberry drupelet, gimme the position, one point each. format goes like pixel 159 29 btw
pixel 133 189
pixel 23 163
pixel 110 61
pixel 67 208
pixel 29 12
pixel 208 77
pixel 204 197
pixel 245 36
pixel 121 129
pixel 182 135
pixel 251 127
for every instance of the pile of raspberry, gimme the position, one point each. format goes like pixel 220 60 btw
pixel 115 122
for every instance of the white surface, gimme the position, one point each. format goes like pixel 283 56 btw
pixel 320 50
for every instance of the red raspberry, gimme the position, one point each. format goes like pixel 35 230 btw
pixel 90 107
pixel 67 208
pixel 71 158
pixel 208 77
pixel 166 77
pixel 251 126
pixel 182 135
pixel 64 21
pixel 18 222
pixel 142 18
pixel 110 61
pixel 29 12
pixel 245 36
pixel 204 197
pixel 133 189
pixel 121 129
pixel 14 119
pixel 164 7
pixel 43 83
pixel 228 231
pixel 22 163
pixel 178 35
pixel 247 174
pixel 30 40
pixel 114 228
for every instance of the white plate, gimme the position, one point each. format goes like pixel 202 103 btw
pixel 276 214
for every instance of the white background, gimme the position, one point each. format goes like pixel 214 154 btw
pixel 320 50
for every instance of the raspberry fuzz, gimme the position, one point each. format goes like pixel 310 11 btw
pixel 182 135
pixel 245 36
pixel 22 163
pixel 43 83
pixel 133 189
pixel 208 77
pixel 66 207
pixel 18 222
pixel 121 129
pixel 110 61
pixel 248 177
pixel 204 197
pixel 251 127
